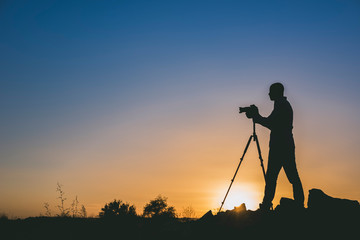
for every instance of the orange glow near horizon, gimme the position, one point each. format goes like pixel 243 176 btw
pixel 192 167
pixel 238 194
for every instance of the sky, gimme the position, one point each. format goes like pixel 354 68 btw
pixel 132 99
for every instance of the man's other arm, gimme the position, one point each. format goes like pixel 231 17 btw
pixel 267 122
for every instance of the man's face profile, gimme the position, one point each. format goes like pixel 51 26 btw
pixel 272 94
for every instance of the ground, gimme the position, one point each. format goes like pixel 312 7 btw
pixel 282 223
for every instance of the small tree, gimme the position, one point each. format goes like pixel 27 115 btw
pixel 159 207
pixel 117 208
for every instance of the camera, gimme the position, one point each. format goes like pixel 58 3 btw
pixel 249 111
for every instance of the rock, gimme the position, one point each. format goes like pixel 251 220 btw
pixel 207 215
pixel 236 210
pixel 288 205
pixel 241 208
pixel 320 202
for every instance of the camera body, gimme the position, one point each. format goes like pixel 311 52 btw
pixel 249 111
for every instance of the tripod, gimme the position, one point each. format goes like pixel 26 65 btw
pixel 254 138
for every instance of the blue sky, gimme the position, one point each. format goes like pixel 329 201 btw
pixel 69 69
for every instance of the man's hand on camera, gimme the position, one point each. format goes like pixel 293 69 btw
pixel 253 113
pixel 249 115
pixel 254 109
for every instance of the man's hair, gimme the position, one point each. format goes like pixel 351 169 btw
pixel 278 88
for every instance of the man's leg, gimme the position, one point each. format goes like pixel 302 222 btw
pixel 272 172
pixel 293 176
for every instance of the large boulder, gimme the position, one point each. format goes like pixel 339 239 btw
pixel 320 202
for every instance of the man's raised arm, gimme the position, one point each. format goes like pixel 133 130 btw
pixel 266 121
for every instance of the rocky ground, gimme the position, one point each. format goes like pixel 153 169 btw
pixel 325 218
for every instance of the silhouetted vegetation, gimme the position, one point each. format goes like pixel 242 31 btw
pixel 73 211
pixel 159 208
pixel 83 212
pixel 117 208
pixel 327 218
pixel 3 217
pixel 64 212
pixel 188 212
pixel 47 209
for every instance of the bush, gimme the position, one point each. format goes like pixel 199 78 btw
pixel 117 208
pixel 159 208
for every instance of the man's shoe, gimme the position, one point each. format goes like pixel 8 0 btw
pixel 265 207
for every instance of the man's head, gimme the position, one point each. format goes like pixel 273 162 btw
pixel 276 91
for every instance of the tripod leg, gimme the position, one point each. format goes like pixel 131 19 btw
pixel 260 157
pixel 232 180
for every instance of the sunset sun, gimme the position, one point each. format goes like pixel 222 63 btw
pixel 238 195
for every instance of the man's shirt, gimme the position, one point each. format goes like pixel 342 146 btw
pixel 280 122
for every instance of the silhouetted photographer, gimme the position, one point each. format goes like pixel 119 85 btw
pixel 282 146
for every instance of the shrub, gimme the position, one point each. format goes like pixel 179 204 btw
pixel 159 207
pixel 117 208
